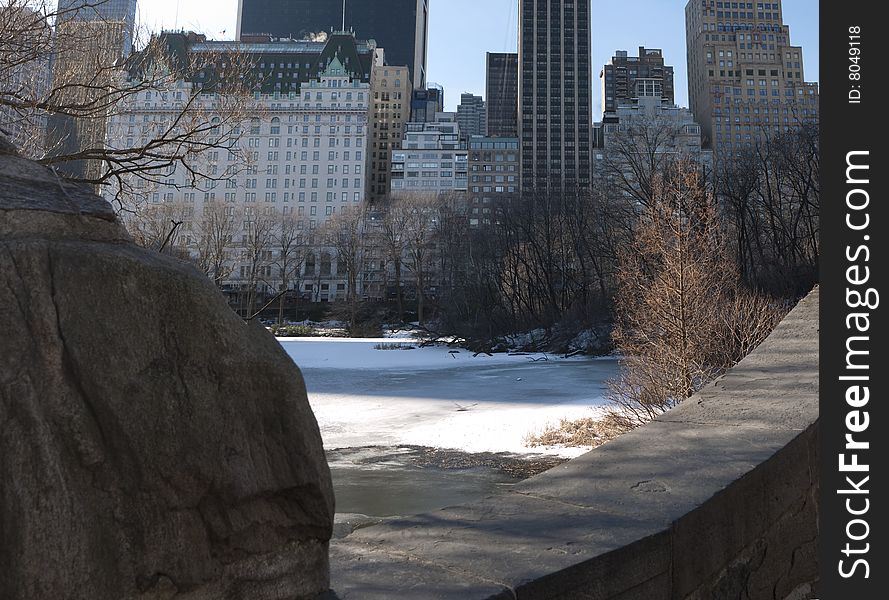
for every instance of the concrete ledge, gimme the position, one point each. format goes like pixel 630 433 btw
pixel 715 499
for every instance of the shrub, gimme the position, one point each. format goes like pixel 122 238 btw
pixel 394 346
pixel 292 331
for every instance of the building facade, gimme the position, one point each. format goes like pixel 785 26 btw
pixel 299 163
pixel 390 111
pixel 493 177
pixel 645 128
pixel 427 103
pixel 555 93
pixel 502 94
pixel 119 11
pixel 91 37
pixel 24 78
pixel 399 26
pixel 745 79
pixel 86 52
pixel 431 159
pixel 472 116
pixel 627 77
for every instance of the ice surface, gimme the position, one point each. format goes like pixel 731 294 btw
pixel 435 397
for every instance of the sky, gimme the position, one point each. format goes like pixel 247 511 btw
pixel 462 31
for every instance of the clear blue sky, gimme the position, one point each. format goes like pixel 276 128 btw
pixel 461 31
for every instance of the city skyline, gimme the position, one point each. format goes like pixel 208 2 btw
pixel 457 62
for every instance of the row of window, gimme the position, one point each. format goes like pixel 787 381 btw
pixel 493 178
pixel 250 197
pixel 748 5
pixel 496 189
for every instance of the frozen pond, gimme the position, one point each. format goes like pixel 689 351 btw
pixel 380 400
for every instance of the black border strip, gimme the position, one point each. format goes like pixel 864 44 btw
pixel 853 538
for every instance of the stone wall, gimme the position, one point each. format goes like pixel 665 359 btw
pixel 716 499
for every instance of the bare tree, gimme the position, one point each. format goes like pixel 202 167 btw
pixel 164 227
pixel 419 216
pixel 215 229
pixel 344 233
pixel 290 256
pixel 25 56
pixel 637 154
pixel 394 241
pixel 676 286
pixel 92 83
pixel 771 196
pixel 471 304
pixel 256 256
pixel 552 256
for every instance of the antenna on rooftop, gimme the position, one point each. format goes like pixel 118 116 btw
pixel 344 16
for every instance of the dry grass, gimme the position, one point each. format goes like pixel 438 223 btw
pixel 581 432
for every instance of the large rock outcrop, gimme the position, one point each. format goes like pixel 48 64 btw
pixel 152 444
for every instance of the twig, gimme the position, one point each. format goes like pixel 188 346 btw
pixel 267 304
pixel 176 225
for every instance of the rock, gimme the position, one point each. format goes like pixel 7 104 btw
pixel 7 147
pixel 152 444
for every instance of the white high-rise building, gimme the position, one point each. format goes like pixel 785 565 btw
pixel 431 159
pixel 649 127
pixel 303 158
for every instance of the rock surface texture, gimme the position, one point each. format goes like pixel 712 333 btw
pixel 152 444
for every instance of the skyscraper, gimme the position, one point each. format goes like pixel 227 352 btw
pixel 24 75
pixel 398 26
pixel 91 37
pixel 471 116
pixel 502 94
pixel 627 77
pixel 745 79
pixel 122 11
pixel 554 93
pixel 426 103
pixel 390 109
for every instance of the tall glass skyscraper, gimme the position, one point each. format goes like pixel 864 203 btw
pixel 398 26
pixel 502 94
